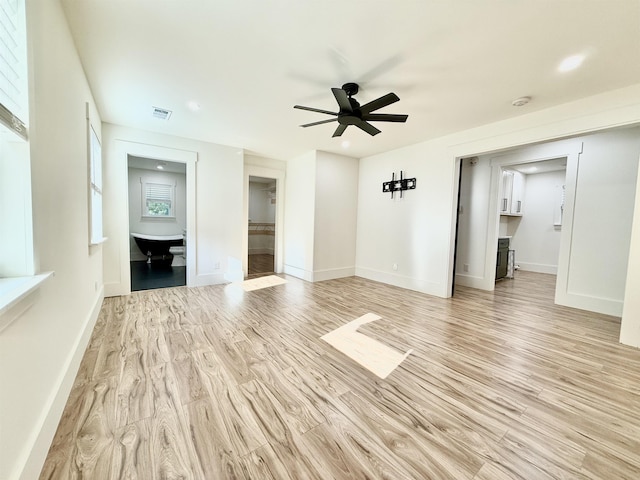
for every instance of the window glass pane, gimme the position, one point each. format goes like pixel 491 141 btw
pixel 160 208
pixel 96 161
pixel 158 199
pixel 95 198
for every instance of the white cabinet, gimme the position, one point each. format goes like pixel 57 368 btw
pixel 512 193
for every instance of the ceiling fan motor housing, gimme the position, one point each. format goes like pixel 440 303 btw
pixel 350 88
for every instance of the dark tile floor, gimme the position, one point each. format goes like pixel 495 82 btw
pixel 146 276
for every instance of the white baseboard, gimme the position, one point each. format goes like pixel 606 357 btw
pixel 203 280
pixel 52 412
pixel 298 272
pixel 331 273
pixel 605 306
pixel 410 283
pixel 470 281
pixel 538 267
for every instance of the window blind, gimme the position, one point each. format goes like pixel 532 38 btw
pixel 13 61
pixel 158 192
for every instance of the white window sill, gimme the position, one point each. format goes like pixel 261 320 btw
pixel 98 242
pixel 13 296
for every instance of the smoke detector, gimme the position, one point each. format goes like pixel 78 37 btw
pixel 519 102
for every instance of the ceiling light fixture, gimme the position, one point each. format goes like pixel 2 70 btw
pixel 519 102
pixel 570 63
pixel 193 106
pixel 345 144
pixel 161 165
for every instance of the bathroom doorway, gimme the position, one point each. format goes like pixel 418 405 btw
pixel 262 226
pixel 157 223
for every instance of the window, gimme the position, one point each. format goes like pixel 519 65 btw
pixel 158 200
pixel 16 231
pixel 95 187
pixel 13 67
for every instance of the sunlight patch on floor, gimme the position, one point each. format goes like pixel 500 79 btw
pixel 262 282
pixel 376 357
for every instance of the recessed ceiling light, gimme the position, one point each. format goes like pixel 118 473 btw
pixel 570 63
pixel 345 143
pixel 193 106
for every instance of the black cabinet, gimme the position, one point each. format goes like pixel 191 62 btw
pixel 503 258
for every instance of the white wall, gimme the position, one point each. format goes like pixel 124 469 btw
pixel 336 206
pixel 320 216
pixel 473 210
pixel 603 215
pixel 630 330
pixel 299 213
pixel 155 226
pixel 536 240
pixel 218 210
pixel 414 232
pixel 41 351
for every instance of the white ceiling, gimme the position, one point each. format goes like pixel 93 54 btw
pixel 454 64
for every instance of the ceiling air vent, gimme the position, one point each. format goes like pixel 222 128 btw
pixel 161 113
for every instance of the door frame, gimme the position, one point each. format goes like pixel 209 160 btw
pixel 125 148
pixel 278 253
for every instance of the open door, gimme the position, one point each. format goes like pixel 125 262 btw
pixel 261 230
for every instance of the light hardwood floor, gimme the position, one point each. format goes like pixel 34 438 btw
pixel 260 264
pixel 217 383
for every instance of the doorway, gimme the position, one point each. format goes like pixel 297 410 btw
pixel 157 223
pixel 261 231
pixel 495 206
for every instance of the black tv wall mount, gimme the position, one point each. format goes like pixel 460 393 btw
pixel 398 185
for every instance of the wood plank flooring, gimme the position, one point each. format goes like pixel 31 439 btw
pixel 260 264
pixel 217 383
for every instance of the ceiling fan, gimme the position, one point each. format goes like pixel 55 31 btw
pixel 351 113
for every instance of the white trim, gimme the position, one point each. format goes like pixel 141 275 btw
pixel 403 281
pixel 298 272
pixel 331 273
pixel 470 281
pixel 538 268
pixel 16 296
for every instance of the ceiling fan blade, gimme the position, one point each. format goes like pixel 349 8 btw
pixel 367 127
pixel 339 131
pixel 342 99
pixel 384 117
pixel 315 110
pixel 319 123
pixel 383 101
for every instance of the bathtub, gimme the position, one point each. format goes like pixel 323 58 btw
pixel 156 247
